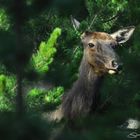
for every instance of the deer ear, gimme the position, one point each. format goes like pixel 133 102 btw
pixel 75 23
pixel 122 35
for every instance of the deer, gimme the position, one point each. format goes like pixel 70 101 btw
pixel 99 59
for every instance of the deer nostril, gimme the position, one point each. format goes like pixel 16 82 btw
pixel 119 68
pixel 114 64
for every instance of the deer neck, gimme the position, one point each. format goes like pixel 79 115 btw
pixel 83 98
pixel 91 80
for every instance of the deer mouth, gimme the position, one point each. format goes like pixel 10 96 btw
pixel 111 71
pixel 115 71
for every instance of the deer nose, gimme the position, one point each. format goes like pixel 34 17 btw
pixel 116 65
pixel 120 66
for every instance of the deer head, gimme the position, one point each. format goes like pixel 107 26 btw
pixel 99 49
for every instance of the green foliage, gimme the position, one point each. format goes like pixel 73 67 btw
pixel 54 96
pixel 44 56
pixel 59 59
pixel 7 93
pixel 2 83
pixel 137 97
pixel 104 14
pixel 35 99
pixel 4 21
pixel 38 99
pixel 30 126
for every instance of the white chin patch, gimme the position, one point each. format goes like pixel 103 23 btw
pixel 111 71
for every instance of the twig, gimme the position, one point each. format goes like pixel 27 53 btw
pixel 92 21
pixel 112 18
pixel 102 105
pixel 75 49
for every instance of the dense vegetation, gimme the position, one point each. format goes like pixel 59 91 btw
pixel 40 52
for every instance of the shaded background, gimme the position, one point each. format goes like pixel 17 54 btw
pixel 26 92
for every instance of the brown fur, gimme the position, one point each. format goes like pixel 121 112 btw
pixel 79 100
pixel 99 58
pixel 102 36
pixel 84 97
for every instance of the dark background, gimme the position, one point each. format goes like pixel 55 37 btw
pixel 26 93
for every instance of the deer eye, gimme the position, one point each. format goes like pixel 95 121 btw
pixel 91 45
